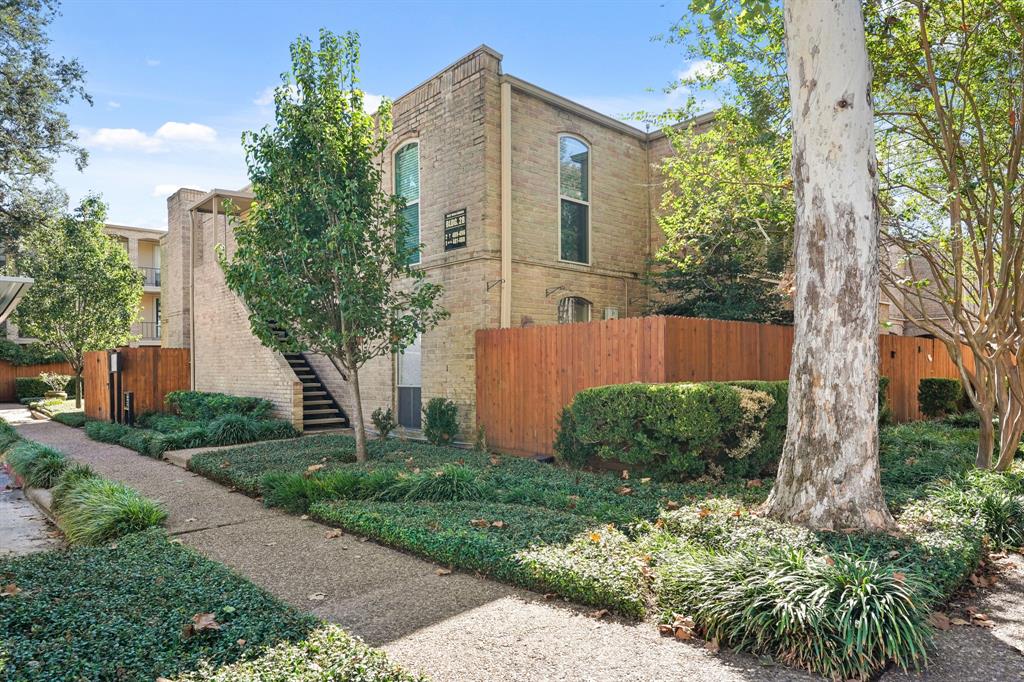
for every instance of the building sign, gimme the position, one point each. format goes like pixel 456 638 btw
pixel 455 229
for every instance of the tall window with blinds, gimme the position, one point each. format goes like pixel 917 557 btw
pixel 574 200
pixel 407 186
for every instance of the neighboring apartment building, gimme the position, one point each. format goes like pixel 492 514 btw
pixel 143 247
pixel 531 209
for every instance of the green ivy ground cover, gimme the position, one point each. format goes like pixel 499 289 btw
pixel 123 611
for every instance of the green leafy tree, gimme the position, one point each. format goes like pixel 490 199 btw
pixel 727 211
pixel 34 88
pixel 86 293
pixel 320 254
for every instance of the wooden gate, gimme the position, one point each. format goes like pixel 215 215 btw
pixel 148 372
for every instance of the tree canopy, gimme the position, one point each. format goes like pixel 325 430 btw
pixel 87 292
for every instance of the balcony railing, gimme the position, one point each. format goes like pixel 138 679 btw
pixel 150 277
pixel 149 331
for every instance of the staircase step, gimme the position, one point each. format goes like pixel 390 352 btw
pixel 321 401
pixel 311 393
pixel 311 384
pixel 325 421
pixel 324 411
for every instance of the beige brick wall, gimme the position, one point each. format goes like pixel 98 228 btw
pixel 175 282
pixel 226 356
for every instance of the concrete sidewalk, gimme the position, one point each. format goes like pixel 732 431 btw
pixel 454 627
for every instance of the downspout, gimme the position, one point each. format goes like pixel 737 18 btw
pixel 192 298
pixel 506 205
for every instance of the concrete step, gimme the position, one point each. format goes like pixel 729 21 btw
pixel 324 421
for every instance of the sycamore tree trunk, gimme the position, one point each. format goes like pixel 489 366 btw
pixel 829 475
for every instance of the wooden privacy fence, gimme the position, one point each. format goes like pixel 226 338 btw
pixel 149 372
pixel 9 373
pixel 524 377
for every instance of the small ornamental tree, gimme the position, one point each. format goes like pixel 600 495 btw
pixel 320 254
pixel 86 293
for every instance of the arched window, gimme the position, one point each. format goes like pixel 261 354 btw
pixel 407 186
pixel 574 200
pixel 573 309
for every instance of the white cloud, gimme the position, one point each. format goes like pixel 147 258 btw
pixel 163 191
pixel 133 139
pixel 113 105
pixel 186 132
pixel 701 67
pixel 266 97
pixel 152 62
pixel 122 138
pixel 371 102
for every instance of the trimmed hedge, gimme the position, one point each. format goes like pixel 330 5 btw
pixel 200 406
pixel 939 397
pixel 34 387
pixel 683 430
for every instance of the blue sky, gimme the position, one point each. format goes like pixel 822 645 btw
pixel 175 83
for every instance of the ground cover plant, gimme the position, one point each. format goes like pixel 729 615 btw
pixel 148 608
pixel 639 544
pixel 201 420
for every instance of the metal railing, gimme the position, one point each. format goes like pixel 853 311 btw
pixel 150 277
pixel 149 331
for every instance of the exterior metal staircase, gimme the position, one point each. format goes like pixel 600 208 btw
pixel 319 409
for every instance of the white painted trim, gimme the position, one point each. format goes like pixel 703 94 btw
pixel 419 188
pixel 505 309
pixel 561 197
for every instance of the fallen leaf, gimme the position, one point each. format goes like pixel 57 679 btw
pixel 625 474
pixel 10 589
pixel 548 596
pixel 600 613
pixel 899 577
pixel 269 544
pixel 830 561
pixel 443 571
pixel 712 645
pixel 664 629
pixel 959 621
pixel 682 634
pixel 497 524
pixel 317 596
pixel 331 534
pixel 495 460
pixel 190 520
pixel 205 621
pixel 704 512
pixel 893 554
pixel 624 490
pixel 754 483
pixel 304 517
pixel 645 480
pixel 240 642
pixel 479 523
pixel 225 464
pixel 939 620
pixel 737 513
pixel 670 505
pixel 313 468
pixel 910 461
pixel 595 537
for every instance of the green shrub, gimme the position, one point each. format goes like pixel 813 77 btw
pixel 939 397
pixel 764 460
pixel 37 465
pixel 74 419
pixel 142 441
pixel 447 484
pixel 569 449
pixel 164 423
pixel 296 492
pixel 440 421
pixel 840 616
pixel 676 429
pixel 96 511
pixel 197 405
pixel 383 421
pixel 995 500
pixel 8 436
pixel 964 420
pixel 33 353
pixel 74 474
pixel 35 387
pixel 182 439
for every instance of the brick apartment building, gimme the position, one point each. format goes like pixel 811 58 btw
pixel 143 247
pixel 531 209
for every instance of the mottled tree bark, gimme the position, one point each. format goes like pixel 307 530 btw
pixel 829 476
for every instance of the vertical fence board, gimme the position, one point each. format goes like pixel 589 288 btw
pixel 526 376
pixel 150 373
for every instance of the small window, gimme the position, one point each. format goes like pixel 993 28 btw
pixel 574 200
pixel 407 186
pixel 573 309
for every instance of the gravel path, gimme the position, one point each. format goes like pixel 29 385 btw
pixel 460 626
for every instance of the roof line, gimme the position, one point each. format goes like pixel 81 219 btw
pixel 482 47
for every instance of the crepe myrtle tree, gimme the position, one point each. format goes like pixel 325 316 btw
pixel 86 293
pixel 320 254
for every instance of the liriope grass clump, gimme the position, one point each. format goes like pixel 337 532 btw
pixel 840 616
pixel 450 483
pixel 69 479
pixel 97 510
pixel 37 465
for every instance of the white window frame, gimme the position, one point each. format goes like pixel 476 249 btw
pixel 419 183
pixel 558 191
pixel 574 298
